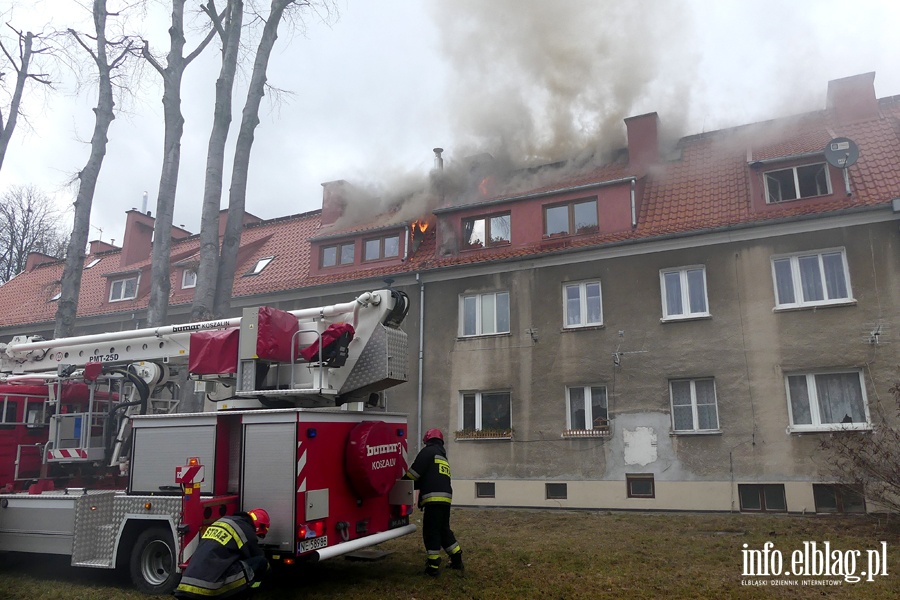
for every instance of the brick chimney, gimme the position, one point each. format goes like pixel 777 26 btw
pixel 138 240
pixel 853 98
pixel 36 259
pixel 334 201
pixel 643 140
pixel 98 246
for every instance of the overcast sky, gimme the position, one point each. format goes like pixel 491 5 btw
pixel 370 94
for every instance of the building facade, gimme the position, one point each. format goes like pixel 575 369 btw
pixel 672 328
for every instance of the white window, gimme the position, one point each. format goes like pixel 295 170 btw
pixel 485 410
pixel 797 182
pixel 582 305
pixel 684 292
pixel 188 279
pixel 484 314
pixel 694 405
pixel 827 401
pixel 123 289
pixel 587 407
pixel 260 265
pixel 811 279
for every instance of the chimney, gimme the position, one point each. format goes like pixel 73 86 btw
pixel 138 241
pixel 98 246
pixel 853 98
pixel 643 140
pixel 36 259
pixel 438 159
pixel 333 201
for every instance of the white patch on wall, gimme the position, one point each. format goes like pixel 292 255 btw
pixel 640 446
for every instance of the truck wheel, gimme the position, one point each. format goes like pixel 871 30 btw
pixel 153 562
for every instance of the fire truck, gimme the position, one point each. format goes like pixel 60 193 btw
pixel 97 462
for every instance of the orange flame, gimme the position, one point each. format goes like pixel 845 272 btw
pixel 486 186
pixel 421 225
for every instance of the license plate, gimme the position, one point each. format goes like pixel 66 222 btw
pixel 313 544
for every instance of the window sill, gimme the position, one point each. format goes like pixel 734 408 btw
pixel 848 302
pixel 483 435
pixel 832 428
pixel 677 319
pixel 572 434
pixel 482 336
pixel 689 433
pixel 583 327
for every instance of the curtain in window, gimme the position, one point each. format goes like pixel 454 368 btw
pixel 840 398
pixel 707 417
pixel 784 282
pixel 576 408
pixel 673 294
pixel 811 278
pixel 592 291
pixel 573 305
pixel 696 290
pixel 598 406
pixel 835 281
pixel 503 312
pixel 682 412
pixel 799 400
pixel 469 316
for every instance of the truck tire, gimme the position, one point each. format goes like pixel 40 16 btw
pixel 153 562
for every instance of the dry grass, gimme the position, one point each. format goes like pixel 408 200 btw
pixel 544 554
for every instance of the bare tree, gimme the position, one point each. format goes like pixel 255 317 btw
pixel 99 52
pixel 229 30
pixel 29 222
pixel 870 460
pixel 172 75
pixel 21 64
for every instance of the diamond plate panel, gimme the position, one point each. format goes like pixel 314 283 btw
pixel 99 518
pixel 382 363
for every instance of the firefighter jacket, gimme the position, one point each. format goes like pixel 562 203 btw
pixel 431 474
pixel 218 568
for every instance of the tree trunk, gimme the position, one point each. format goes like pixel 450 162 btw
pixel 87 178
pixel 6 130
pixel 230 32
pixel 238 191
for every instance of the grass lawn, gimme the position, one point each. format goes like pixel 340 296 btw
pixel 551 555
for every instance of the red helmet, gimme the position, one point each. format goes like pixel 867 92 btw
pixel 261 521
pixel 432 434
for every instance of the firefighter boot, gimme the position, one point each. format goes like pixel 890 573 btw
pixel 433 565
pixel 456 562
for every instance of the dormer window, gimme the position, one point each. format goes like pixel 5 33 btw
pixel 383 247
pixel 486 231
pixel 123 289
pixel 342 254
pixel 188 279
pixel 259 266
pixel 571 218
pixel 795 183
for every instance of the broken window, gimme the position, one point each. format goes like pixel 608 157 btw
pixel 482 232
pixel 797 182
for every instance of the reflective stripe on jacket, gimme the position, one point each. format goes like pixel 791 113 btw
pixel 431 473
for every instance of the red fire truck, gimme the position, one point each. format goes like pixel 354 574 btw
pixel 97 463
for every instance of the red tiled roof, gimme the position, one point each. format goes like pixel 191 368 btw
pixel 707 187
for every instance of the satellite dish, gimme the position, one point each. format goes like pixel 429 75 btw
pixel 841 152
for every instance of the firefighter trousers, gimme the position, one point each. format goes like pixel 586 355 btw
pixel 436 532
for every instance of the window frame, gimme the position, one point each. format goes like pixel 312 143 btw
pixel 556 491
pixel 571 227
pixel 631 478
pixel 769 175
pixel 685 293
pixel 479 409
pixel 840 492
pixel 259 266
pixel 338 255
pixel 761 489
pixel 587 398
pixel 485 489
pixel 797 282
pixel 582 304
pixel 816 424
pixel 184 282
pixel 695 417
pixel 123 281
pixel 381 244
pixel 489 241
pixel 479 317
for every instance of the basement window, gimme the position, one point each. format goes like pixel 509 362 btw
pixel 485 489
pixel 571 218
pixel 796 183
pixel 556 491
pixel 487 231
pixel 123 289
pixel 762 497
pixel 836 498
pixel 259 266
pixel 640 485
pixel 343 254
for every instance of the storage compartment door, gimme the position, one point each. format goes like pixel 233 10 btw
pixel 270 477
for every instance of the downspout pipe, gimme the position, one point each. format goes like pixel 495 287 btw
pixel 633 209
pixel 421 359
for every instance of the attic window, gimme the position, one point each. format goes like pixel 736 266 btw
pixel 571 218
pixel 340 254
pixel 188 279
pixel 55 296
pixel 92 263
pixel 383 247
pixel 123 289
pixel 481 232
pixel 259 266
pixel 795 183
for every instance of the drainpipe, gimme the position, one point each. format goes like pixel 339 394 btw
pixel 633 212
pixel 421 359
pixel 407 232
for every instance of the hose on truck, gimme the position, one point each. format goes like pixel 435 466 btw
pixel 143 390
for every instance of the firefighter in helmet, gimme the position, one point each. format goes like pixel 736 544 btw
pixel 431 474
pixel 228 562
